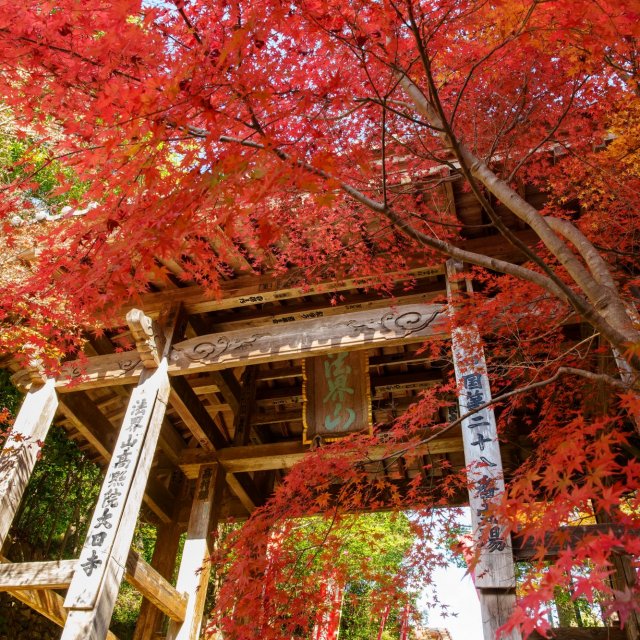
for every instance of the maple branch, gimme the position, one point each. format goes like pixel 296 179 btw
pixel 488 55
pixel 549 135
pixel 194 32
pixel 589 375
pixel 620 333
pixel 69 52
pixel 442 246
pixel 585 248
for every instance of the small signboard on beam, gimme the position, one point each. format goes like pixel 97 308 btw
pixel 336 396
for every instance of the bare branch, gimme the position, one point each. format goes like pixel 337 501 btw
pixel 589 375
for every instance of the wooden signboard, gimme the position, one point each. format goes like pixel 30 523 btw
pixel 484 470
pixel 148 400
pixel 494 572
pixel 336 395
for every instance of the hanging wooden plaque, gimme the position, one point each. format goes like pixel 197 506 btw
pixel 336 396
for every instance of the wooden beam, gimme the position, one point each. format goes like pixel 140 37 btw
pixel 381 415
pixel 229 388
pixel 582 633
pixel 273 417
pixel 495 579
pixel 283 455
pixel 20 452
pixel 90 422
pixel 564 538
pixel 242 485
pixel 146 336
pixel 362 330
pixel 159 499
pixel 278 315
pixel 248 291
pixel 54 574
pixel 247 401
pixel 171 442
pixel 57 574
pixel 496 607
pixel 47 603
pixel 193 413
pixel 155 588
pixel 195 566
pixel 163 561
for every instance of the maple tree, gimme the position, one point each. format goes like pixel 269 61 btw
pixel 316 135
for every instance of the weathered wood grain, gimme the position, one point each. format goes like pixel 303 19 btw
pixel 91 599
pixel 19 455
pixel 195 568
pixel 283 455
pixel 155 588
pixel 352 331
pixel 54 574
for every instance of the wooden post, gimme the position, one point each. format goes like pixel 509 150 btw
pixel 96 581
pixel 327 626
pixel 20 452
pixel 163 561
pixel 494 572
pixel 195 568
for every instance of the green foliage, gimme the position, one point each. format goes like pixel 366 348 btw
pixel 58 502
pixel 10 399
pixel 24 160
pixel 379 541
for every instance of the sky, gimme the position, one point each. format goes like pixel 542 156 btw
pixel 455 589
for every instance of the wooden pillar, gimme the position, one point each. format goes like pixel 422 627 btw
pixel 195 568
pixel 623 578
pixel 163 561
pixel 494 572
pixel 20 451
pixel 99 571
pixel 327 626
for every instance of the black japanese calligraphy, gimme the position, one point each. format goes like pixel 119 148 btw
pixel 98 538
pixel 110 498
pixel 123 459
pixel 91 563
pixel 480 441
pixel 103 520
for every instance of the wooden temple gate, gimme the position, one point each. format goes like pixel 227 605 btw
pixel 200 421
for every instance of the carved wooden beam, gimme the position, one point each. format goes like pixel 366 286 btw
pixel 363 330
pixel 351 331
pixel 31 376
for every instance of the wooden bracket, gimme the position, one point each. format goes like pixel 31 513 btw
pixel 147 337
pixel 33 375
